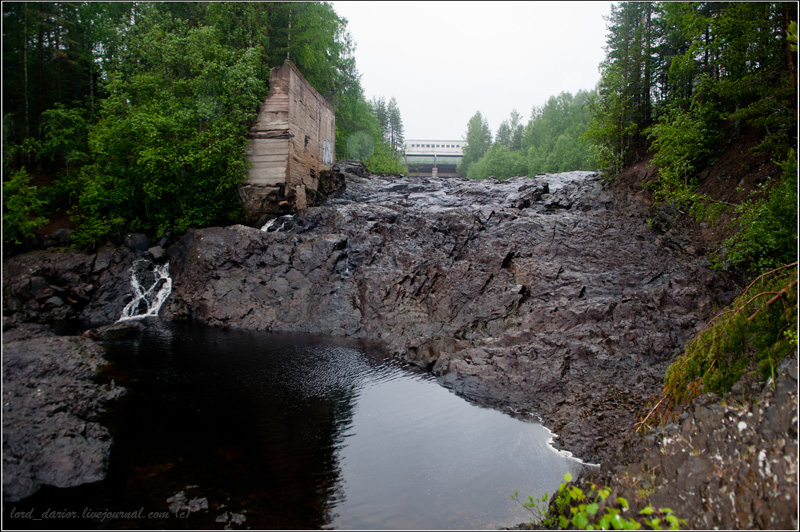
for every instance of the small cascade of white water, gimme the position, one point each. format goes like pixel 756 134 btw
pixel 268 227
pixel 151 285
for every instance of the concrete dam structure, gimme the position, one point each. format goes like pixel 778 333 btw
pixel 433 158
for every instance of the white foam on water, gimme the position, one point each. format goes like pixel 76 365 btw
pixel 151 294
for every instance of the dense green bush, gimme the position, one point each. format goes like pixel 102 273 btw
pixel 360 145
pixel 22 208
pixel 136 114
pixel 681 140
pixel 552 141
pixel 385 161
pixel 169 145
pixel 499 162
pixel 767 235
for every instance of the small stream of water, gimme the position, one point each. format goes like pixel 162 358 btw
pixel 151 285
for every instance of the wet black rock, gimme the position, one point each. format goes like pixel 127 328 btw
pixel 61 237
pixel 60 284
pixel 116 331
pixel 537 293
pixel 50 408
pixel 356 168
pixel 157 252
pixel 727 463
pixel 137 241
pixel 549 295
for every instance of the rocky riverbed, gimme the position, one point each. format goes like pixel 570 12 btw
pixel 549 296
pixel 538 294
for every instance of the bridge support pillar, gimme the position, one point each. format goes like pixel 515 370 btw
pixel 434 172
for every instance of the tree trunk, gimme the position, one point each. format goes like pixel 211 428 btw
pixel 41 58
pixel 25 68
pixel 787 20
pixel 58 51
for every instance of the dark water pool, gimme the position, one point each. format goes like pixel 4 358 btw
pixel 276 431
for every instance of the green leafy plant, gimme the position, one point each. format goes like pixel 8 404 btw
pixel 22 206
pixel 360 145
pixel 500 162
pixel 169 146
pixel 384 161
pixel 680 140
pixel 595 510
pixel 767 235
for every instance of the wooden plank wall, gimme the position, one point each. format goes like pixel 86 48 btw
pixel 292 141
pixel 269 145
pixel 312 121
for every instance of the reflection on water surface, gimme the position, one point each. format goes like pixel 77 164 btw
pixel 285 431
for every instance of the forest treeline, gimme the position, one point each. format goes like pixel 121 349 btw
pixel 135 115
pixel 551 141
pixel 680 81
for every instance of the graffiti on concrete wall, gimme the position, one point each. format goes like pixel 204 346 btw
pixel 327 151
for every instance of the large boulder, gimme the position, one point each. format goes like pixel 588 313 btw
pixel 92 287
pixel 51 404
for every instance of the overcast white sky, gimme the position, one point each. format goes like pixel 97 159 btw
pixel 443 61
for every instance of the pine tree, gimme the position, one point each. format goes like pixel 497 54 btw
pixel 478 141
pixel 503 136
pixel 378 107
pixel 396 136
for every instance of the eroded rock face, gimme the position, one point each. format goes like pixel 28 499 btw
pixel 92 287
pixel 50 407
pixel 724 464
pixel 538 293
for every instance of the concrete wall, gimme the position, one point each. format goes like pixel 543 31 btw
pixel 292 143
pixel 439 147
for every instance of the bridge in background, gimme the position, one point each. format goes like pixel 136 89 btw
pixel 436 158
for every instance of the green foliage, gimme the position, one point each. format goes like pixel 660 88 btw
pixel 604 132
pixel 552 141
pixel 65 134
pixel 629 79
pixel 169 145
pixel 65 147
pixel 379 144
pixel 479 140
pixel 385 161
pixel 553 137
pixel 751 337
pixel 572 508
pixel 728 65
pixel 767 222
pixel 511 131
pixel 681 140
pixel 22 207
pixel 395 135
pixel 499 162
pixel 390 124
pixel 138 113
pixel 360 145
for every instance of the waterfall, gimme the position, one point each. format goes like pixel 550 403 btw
pixel 270 225
pixel 151 285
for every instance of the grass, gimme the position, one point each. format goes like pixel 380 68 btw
pixel 747 339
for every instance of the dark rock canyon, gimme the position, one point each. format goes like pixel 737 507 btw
pixel 549 297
